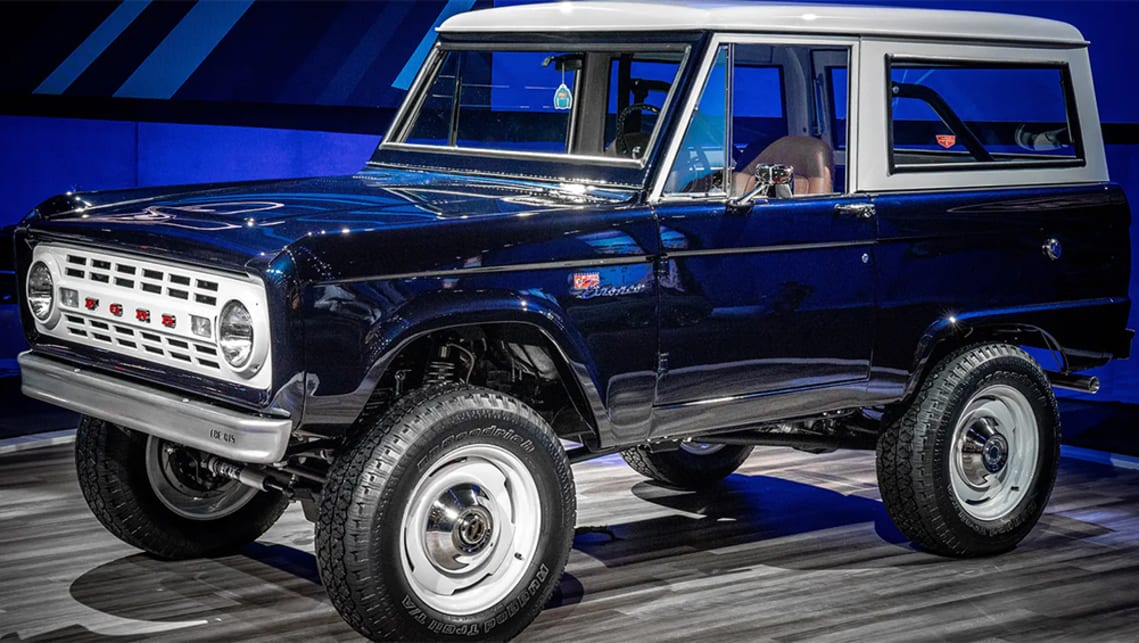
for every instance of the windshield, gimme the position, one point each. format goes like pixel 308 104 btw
pixel 545 101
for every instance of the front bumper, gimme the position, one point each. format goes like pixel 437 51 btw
pixel 235 435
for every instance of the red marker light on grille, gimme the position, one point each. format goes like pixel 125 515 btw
pixel 116 310
pixel 143 315
pixel 169 321
pixel 91 303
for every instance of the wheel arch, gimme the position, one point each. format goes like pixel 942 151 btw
pixel 947 335
pixel 531 319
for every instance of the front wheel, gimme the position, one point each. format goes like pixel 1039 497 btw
pixel 157 496
pixel 451 518
pixel 969 466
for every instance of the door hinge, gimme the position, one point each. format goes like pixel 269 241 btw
pixel 662 362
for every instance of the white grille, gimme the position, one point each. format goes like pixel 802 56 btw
pixel 144 308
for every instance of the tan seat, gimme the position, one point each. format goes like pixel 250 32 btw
pixel 812 159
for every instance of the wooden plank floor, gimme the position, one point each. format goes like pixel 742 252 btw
pixel 794 547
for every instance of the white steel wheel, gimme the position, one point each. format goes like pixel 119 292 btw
pixel 994 456
pixel 966 467
pixel 471 529
pixel 451 518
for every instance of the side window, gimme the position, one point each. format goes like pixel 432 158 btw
pixel 980 114
pixel 785 111
pixel 700 160
pixel 787 107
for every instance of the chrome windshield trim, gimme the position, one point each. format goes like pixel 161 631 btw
pixel 515 154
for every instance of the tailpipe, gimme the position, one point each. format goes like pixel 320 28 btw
pixel 1082 383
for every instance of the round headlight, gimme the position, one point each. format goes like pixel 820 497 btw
pixel 41 291
pixel 235 334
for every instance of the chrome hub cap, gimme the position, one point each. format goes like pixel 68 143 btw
pixel 185 487
pixel 994 452
pixel 459 524
pixel 470 530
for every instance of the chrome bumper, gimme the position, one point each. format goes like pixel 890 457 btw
pixel 243 437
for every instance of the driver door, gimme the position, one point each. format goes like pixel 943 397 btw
pixel 769 307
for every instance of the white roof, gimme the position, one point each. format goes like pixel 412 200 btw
pixel 641 15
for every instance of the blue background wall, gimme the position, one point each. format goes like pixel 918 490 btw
pixel 112 95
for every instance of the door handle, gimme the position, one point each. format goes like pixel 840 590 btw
pixel 856 210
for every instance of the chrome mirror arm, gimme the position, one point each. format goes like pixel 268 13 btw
pixel 768 178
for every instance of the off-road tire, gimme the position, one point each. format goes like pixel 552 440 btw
pixel 914 453
pixel 111 463
pixel 372 481
pixel 685 470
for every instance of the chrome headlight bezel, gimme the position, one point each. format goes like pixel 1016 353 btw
pixel 34 291
pixel 237 322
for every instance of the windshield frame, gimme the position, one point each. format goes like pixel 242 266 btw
pixel 592 168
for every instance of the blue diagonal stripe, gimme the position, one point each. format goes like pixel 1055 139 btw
pixel 183 51
pixel 74 65
pixel 411 67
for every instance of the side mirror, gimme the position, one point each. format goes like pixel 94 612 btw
pixel 771 181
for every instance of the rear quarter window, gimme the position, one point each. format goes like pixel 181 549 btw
pixel 988 116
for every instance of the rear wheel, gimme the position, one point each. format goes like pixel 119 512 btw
pixel 157 496
pixel 693 465
pixel 968 468
pixel 451 518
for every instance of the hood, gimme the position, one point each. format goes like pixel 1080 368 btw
pixel 247 225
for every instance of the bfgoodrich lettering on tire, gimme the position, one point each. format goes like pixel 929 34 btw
pixel 451 518
pixel 967 469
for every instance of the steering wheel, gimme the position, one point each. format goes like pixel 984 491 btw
pixel 623 137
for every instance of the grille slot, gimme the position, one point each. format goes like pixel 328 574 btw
pixel 137 276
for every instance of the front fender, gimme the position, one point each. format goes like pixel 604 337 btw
pixel 357 330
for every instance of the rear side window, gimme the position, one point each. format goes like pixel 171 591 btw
pixel 981 115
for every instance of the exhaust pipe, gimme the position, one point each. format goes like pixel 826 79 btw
pixel 1082 383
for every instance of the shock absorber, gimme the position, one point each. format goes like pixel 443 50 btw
pixel 441 369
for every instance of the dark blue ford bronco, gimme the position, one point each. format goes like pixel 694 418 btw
pixel 674 232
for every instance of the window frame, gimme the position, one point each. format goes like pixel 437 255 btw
pixel 1071 114
pixel 852 46
pixel 873 154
